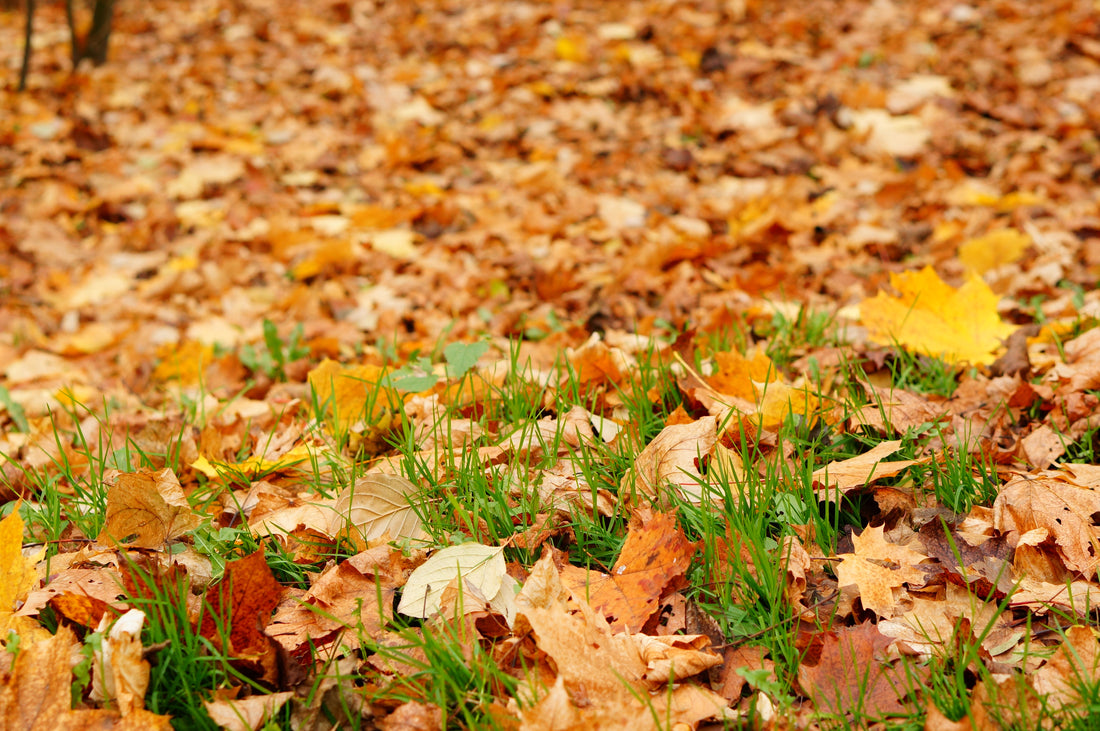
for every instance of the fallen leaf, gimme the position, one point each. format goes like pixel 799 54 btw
pixel 852 674
pixel 1064 509
pixel 146 509
pixel 246 714
pixel 478 566
pixel 653 562
pixel 17 573
pixel 672 458
pixel 37 694
pixel 846 475
pixel 239 606
pixel 120 672
pixel 377 505
pixel 995 249
pixel 931 318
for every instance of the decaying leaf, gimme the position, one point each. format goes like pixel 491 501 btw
pixel 853 672
pixel 146 509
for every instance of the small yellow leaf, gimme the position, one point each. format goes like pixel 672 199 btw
pixel 17 574
pixel 993 250
pixel 353 393
pixel 932 318
pixel 570 49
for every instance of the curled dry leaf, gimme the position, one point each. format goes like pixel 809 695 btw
pixel 848 474
pixel 120 672
pixel 377 505
pixel 146 509
pixel 1064 509
pixel 246 714
pixel 672 458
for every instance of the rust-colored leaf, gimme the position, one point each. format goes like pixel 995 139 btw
pixel 653 562
pixel 852 672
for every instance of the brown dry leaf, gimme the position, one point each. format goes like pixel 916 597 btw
pixel 413 716
pixel 36 695
pixel 730 682
pixel 673 457
pixel 934 319
pixel 653 561
pixel 146 509
pixel 377 505
pixel 876 584
pixel 853 672
pixel 896 411
pixel 1074 666
pixel 243 602
pixel 246 714
pixel 356 593
pixel 672 657
pixel 848 474
pixel 1062 508
pixel 601 677
pixel 87 611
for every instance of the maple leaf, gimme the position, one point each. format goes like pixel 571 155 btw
pixel 932 318
pixel 602 677
pixel 1063 509
pixel 653 561
pixel 876 582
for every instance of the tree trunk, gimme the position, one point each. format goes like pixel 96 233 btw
pixel 94 45
pixel 28 31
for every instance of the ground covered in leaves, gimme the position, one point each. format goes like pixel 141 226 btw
pixel 552 366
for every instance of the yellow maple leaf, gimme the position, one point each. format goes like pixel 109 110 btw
pixel 1004 246
pixel 17 574
pixel 932 318
pixel 739 375
pixel 354 393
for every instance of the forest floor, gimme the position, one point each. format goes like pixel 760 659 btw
pixel 563 365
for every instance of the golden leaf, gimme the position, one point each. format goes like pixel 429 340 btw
pixel 932 318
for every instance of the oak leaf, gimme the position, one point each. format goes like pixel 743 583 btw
pixel 932 318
